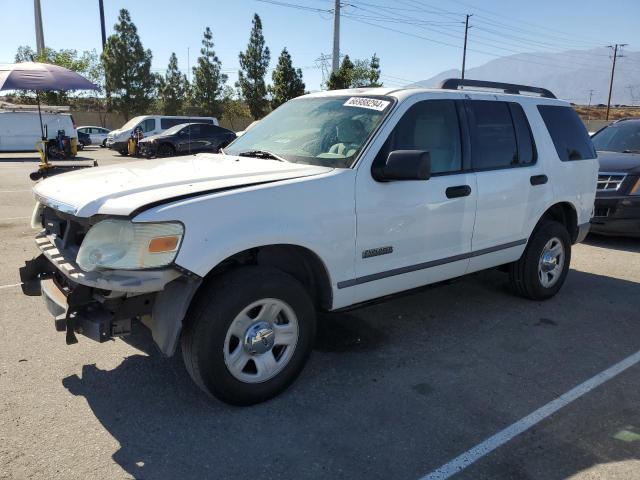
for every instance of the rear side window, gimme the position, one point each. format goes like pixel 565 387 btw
pixel 493 136
pixel 166 123
pixel 569 135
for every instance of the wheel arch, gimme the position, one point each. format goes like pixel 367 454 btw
pixel 300 262
pixel 564 213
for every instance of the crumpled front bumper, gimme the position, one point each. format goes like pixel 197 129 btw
pixel 102 305
pixel 77 308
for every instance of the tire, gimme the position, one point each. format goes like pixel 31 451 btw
pixel 212 344
pixel 104 143
pixel 124 152
pixel 165 150
pixel 544 265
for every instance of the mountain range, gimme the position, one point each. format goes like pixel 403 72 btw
pixel 569 75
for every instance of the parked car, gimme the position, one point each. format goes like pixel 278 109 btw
pixel 20 129
pixel 150 125
pixel 84 139
pixel 186 138
pixel 617 205
pixel 98 134
pixel 334 199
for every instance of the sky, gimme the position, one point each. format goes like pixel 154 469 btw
pixel 415 39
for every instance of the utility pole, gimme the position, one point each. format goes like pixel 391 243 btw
pixel 616 47
pixel 39 33
pixel 589 106
pixel 104 31
pixel 464 51
pixel 335 61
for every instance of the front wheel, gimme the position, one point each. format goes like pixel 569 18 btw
pixel 165 150
pixel 248 335
pixel 543 267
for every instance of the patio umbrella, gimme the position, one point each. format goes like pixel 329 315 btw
pixel 41 77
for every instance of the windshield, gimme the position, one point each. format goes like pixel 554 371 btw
pixel 175 129
pixel 326 131
pixel 619 137
pixel 131 123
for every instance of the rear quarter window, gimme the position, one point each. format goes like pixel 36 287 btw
pixel 569 135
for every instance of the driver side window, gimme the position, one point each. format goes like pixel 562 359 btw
pixel 430 125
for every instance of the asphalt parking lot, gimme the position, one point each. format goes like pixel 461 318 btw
pixel 398 390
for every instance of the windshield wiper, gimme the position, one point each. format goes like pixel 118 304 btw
pixel 261 154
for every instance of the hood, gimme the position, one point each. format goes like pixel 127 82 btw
pixel 619 162
pixel 123 189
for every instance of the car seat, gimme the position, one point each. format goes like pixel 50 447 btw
pixel 350 134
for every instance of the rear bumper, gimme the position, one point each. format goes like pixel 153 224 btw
pixel 617 216
pixel 583 231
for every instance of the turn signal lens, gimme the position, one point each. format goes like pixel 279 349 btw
pixel 635 190
pixel 164 244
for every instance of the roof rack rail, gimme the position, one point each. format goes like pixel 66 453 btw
pixel 512 88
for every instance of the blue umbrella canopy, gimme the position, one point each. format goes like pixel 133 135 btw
pixel 41 76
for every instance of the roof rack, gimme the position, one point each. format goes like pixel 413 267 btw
pixel 512 88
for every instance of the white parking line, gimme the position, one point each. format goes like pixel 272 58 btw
pixel 10 286
pixel 13 218
pixel 490 444
pixel 15 191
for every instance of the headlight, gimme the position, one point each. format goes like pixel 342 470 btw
pixel 124 245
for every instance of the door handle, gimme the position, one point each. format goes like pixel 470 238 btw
pixel 539 180
pixel 458 191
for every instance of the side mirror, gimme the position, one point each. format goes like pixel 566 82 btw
pixel 405 165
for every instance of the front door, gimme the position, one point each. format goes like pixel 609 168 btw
pixel 411 233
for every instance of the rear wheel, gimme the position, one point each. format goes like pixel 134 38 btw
pixel 543 268
pixel 248 335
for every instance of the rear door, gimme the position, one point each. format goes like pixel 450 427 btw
pixel 513 190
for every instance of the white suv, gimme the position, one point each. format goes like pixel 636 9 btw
pixel 334 199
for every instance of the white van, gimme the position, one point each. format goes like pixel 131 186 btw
pixel 20 130
pixel 151 125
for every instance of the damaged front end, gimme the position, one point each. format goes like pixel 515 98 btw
pixel 103 304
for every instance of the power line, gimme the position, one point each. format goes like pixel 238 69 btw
pixel 411 21
pixel 545 28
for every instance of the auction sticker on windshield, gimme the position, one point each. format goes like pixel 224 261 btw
pixel 363 102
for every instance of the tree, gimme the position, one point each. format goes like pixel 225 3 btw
pixel 253 67
pixel 172 88
pixel 341 78
pixel 374 72
pixel 86 64
pixel 208 79
pixel 236 112
pixel 356 74
pixel 127 68
pixel 287 81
